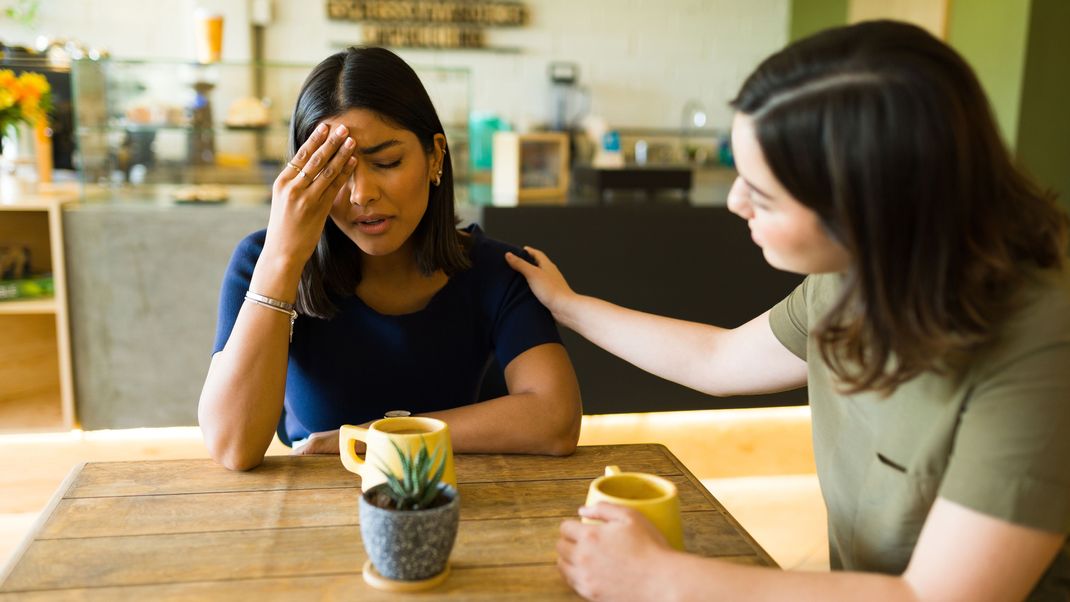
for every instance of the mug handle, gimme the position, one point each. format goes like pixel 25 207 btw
pixel 611 470
pixel 348 435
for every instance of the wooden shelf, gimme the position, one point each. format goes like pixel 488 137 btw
pixel 38 412
pixel 36 384
pixel 30 306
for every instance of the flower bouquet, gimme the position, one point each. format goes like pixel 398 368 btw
pixel 27 99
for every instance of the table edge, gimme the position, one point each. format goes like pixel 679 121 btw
pixel 759 550
pixel 39 523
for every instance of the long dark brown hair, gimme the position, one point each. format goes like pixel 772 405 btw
pixel 885 133
pixel 379 81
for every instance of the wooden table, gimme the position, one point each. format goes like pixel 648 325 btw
pixel 191 530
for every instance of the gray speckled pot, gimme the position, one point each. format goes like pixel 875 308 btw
pixel 410 545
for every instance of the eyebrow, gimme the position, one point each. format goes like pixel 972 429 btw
pixel 371 150
pixel 753 187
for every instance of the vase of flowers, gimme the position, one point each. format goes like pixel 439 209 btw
pixel 25 100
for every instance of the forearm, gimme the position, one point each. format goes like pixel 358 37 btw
pixel 683 352
pixel 517 424
pixel 688 577
pixel 243 393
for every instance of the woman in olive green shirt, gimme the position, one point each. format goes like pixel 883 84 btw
pixel 933 332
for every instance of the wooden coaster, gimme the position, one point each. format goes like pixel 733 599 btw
pixel 373 578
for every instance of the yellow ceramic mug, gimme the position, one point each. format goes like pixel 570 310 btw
pixel 407 433
pixel 652 496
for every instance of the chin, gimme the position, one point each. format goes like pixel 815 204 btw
pixel 376 248
pixel 783 265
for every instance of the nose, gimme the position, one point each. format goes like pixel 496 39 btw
pixel 363 189
pixel 738 201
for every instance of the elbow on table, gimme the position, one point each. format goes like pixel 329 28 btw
pixel 237 460
pixel 231 456
pixel 566 439
pixel 562 447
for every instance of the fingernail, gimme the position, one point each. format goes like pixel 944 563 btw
pixel 351 162
pixel 341 130
pixel 321 128
pixel 348 143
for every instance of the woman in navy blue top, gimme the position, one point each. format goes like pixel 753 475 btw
pixel 361 296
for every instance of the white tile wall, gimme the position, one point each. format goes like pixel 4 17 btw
pixel 641 60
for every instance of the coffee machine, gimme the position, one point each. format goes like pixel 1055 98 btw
pixel 568 101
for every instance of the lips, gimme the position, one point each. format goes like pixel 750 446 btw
pixel 373 224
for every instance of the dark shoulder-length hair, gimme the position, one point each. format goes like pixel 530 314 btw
pixel 379 81
pixel 885 133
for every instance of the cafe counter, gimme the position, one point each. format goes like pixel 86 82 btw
pixel 144 277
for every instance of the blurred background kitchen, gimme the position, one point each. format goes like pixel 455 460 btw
pixel 594 129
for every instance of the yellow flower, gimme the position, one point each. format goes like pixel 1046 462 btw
pixel 26 98
pixel 34 83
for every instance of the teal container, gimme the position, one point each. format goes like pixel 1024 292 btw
pixel 481 129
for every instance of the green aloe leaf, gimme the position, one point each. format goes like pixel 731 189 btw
pixel 428 497
pixel 416 486
pixel 437 477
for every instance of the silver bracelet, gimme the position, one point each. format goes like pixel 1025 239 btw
pixel 290 312
pixel 269 301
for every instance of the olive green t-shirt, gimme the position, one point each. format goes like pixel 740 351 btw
pixel 996 440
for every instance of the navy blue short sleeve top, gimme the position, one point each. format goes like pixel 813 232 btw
pixel 360 364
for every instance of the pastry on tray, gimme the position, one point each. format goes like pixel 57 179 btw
pixel 247 113
pixel 201 193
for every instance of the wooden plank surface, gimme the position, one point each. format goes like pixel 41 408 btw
pixel 765 558
pixel 533 583
pixel 221 555
pixel 311 472
pixel 192 530
pixel 536 583
pixel 229 511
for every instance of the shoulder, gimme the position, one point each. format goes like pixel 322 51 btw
pixel 488 255
pixel 245 256
pixel 1039 325
pixel 247 251
pixel 822 291
pixel 252 244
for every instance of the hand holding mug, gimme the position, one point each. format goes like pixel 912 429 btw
pixel 652 496
pixel 613 555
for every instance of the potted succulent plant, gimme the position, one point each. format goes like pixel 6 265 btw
pixel 409 523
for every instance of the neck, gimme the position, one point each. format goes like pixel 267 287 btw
pixel 399 265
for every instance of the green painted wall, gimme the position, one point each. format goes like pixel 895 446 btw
pixel 811 16
pixel 992 36
pixel 1020 50
pixel 1044 121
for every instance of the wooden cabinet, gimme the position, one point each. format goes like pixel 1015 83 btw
pixel 530 168
pixel 36 384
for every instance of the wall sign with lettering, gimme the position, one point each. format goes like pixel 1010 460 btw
pixel 427 23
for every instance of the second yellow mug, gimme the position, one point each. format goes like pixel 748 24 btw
pixel 652 496
pixel 407 433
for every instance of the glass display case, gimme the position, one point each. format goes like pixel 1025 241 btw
pixel 180 132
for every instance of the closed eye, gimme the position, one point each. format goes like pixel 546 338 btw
pixel 388 165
